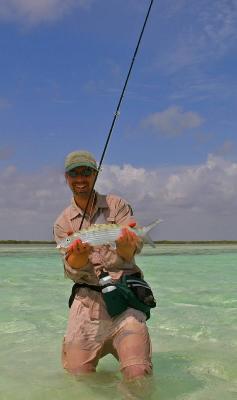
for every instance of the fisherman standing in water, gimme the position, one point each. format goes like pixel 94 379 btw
pixel 91 332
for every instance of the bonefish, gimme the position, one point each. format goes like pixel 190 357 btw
pixel 100 234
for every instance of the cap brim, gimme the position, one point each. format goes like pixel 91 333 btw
pixel 81 164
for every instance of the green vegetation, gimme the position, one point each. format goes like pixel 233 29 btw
pixel 196 242
pixel 26 242
pixel 156 241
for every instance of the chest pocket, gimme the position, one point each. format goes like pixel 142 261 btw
pixel 101 219
pixel 107 216
pixel 111 216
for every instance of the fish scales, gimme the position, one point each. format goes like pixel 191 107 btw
pixel 100 234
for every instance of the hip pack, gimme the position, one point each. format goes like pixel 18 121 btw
pixel 130 291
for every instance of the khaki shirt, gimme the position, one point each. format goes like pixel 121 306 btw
pixel 108 209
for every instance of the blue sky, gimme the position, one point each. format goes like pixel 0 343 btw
pixel 173 151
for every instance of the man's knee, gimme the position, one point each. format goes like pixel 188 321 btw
pixel 76 362
pixel 80 370
pixel 136 371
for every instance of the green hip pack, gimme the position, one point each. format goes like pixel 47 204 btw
pixel 130 291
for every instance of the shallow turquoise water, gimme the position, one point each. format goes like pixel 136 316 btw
pixel 194 329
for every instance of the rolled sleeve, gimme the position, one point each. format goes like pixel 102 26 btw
pixel 124 213
pixel 59 233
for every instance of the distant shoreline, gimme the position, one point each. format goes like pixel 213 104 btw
pixel 168 242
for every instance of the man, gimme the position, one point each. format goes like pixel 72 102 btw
pixel 91 332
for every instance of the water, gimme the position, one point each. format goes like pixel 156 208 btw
pixel 193 331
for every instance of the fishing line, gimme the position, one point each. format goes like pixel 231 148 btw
pixel 117 110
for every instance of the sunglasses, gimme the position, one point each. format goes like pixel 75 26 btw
pixel 84 172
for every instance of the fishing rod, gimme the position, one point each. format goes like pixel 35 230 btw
pixel 117 110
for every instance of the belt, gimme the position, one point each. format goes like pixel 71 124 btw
pixel 77 286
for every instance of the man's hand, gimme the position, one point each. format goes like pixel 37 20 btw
pixel 126 244
pixel 77 254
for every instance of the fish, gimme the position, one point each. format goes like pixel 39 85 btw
pixel 100 234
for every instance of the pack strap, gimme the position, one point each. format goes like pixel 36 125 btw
pixel 77 286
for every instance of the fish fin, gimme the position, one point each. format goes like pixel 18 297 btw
pixel 149 227
pixel 146 238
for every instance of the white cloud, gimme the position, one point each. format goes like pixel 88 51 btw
pixel 218 19
pixel 196 202
pixel 173 121
pixel 207 31
pixel 198 87
pixel 30 203
pixel 206 187
pixel 36 11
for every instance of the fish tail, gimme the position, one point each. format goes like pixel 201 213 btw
pixel 145 236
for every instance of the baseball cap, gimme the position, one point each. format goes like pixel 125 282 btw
pixel 80 159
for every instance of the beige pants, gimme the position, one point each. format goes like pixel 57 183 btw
pixel 92 333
